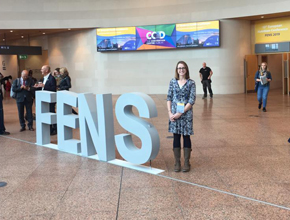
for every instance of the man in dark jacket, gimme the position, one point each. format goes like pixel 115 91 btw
pixel 48 83
pixel 23 88
pixel 2 127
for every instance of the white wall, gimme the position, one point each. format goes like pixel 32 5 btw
pixel 149 71
pixel 10 64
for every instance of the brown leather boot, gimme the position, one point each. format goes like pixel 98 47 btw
pixel 187 152
pixel 177 165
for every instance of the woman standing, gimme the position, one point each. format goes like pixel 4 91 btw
pixel 263 79
pixel 180 99
pixel 65 82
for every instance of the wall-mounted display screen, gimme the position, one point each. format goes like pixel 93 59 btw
pixel 158 37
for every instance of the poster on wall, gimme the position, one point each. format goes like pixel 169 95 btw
pixel 159 37
pixel 156 37
pixel 198 34
pixel 272 30
pixel 114 39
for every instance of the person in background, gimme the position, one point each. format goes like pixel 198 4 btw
pixel 56 75
pixel 205 74
pixel 8 86
pixel 2 127
pixel 263 77
pixel 48 83
pixel 65 82
pixel 34 81
pixel 23 88
pixel 30 75
pixel 180 99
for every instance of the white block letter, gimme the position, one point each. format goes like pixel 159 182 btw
pixel 66 122
pixel 44 118
pixel 143 129
pixel 97 126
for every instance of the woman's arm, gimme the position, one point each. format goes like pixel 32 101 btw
pixel 269 77
pixel 257 79
pixel 170 115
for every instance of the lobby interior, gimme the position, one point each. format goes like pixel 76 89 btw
pixel 240 154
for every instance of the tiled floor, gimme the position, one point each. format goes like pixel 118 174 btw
pixel 240 169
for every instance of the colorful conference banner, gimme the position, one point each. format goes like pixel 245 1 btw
pixel 156 37
pixel 198 34
pixel 113 39
pixel 272 30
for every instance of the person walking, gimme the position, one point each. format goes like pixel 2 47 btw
pixel 263 78
pixel 205 74
pixel 23 88
pixel 180 99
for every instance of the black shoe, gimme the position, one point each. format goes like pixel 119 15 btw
pixel 22 129
pixel 5 133
pixel 211 95
pixel 260 105
pixel 204 97
pixel 264 110
pixel 31 129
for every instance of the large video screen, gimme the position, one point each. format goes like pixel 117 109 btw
pixel 159 37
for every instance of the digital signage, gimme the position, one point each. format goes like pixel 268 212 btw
pixel 198 34
pixel 159 37
pixel 156 37
pixel 113 39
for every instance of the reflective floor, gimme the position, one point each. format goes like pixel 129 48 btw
pixel 240 169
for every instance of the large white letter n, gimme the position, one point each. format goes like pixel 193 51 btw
pixel 97 125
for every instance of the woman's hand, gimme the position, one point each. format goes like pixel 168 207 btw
pixel 269 80
pixel 177 115
pixel 171 116
pixel 258 80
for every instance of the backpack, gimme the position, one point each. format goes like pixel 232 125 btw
pixel 13 94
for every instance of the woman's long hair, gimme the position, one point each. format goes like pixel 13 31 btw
pixel 64 71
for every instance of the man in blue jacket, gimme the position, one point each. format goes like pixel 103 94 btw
pixel 23 88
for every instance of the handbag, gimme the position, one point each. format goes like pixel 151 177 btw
pixel 256 86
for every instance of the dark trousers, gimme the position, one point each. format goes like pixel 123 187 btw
pixel 28 107
pixel 186 141
pixel 52 109
pixel 206 84
pixel 2 127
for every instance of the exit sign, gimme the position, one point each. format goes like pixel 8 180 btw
pixel 23 57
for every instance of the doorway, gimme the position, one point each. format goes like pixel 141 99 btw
pixel 278 65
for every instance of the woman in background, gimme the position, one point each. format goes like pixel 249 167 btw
pixel 263 78
pixel 180 99
pixel 65 82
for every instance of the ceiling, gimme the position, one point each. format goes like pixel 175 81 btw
pixel 11 35
pixel 266 16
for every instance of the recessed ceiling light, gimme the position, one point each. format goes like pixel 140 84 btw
pixel 262 16
pixel 3 39
pixel 11 31
pixel 43 33
pixel 22 36
pixel 69 29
